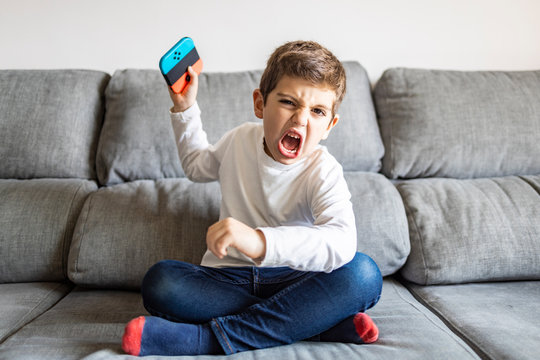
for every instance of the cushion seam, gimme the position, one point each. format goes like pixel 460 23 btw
pixel 83 232
pixel 421 238
pixel 22 323
pixel 64 240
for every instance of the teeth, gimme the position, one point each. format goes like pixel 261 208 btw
pixel 294 136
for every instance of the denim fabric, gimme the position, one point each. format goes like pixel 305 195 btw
pixel 253 308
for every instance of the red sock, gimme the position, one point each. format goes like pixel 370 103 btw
pixel 366 328
pixel 131 341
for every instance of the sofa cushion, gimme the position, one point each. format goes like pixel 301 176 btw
pixel 499 320
pixel 37 218
pixel 81 323
pixel 472 230
pixel 381 222
pixel 126 228
pixel 456 124
pixel 21 303
pixel 137 141
pixel 50 122
pixel 92 322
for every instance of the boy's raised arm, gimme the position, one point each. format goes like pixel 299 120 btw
pixel 196 155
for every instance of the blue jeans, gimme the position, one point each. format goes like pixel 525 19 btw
pixel 252 308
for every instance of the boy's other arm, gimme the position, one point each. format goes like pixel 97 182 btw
pixel 330 242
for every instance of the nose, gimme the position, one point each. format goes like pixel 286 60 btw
pixel 301 117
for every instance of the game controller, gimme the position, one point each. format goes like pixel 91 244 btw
pixel 174 64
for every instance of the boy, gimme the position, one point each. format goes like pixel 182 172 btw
pixel 281 264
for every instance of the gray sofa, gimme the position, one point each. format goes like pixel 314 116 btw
pixel 443 167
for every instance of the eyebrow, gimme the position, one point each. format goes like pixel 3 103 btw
pixel 295 99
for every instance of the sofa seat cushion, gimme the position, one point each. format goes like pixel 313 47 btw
pixel 50 122
pixel 460 124
pixel 21 303
pixel 91 322
pixel 498 320
pixel 137 140
pixel 81 323
pixel 472 230
pixel 37 218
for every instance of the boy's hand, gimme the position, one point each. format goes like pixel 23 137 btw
pixel 188 96
pixel 231 232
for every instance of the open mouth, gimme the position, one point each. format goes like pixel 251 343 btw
pixel 290 144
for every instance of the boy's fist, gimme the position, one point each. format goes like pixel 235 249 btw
pixel 182 101
pixel 231 232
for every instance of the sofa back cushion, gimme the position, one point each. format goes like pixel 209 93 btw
pixel 37 218
pixel 473 230
pixel 50 122
pixel 126 228
pixel 137 140
pixel 456 124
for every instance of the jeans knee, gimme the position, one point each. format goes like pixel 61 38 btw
pixel 364 278
pixel 156 285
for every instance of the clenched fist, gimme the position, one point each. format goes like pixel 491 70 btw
pixel 231 232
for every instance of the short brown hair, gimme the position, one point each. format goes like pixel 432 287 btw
pixel 307 60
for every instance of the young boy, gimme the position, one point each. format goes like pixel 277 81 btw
pixel 281 264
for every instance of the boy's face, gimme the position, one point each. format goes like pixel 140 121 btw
pixel 296 117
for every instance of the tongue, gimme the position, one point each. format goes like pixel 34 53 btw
pixel 290 143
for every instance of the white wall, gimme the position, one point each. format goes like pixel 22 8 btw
pixel 239 35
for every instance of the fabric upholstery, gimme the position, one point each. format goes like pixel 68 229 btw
pixel 143 222
pixel 499 320
pixel 90 323
pixel 81 323
pixel 137 140
pixel 50 122
pixel 459 124
pixel 23 302
pixel 381 223
pixel 37 218
pixel 125 229
pixel 472 230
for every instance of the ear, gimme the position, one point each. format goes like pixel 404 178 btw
pixel 331 125
pixel 258 103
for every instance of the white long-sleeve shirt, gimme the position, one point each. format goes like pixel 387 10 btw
pixel 303 209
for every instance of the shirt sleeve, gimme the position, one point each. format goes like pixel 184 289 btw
pixel 198 158
pixel 326 245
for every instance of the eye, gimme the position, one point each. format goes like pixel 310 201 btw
pixel 286 102
pixel 319 112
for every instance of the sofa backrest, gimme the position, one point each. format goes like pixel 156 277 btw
pixel 50 122
pixel 459 124
pixel 37 218
pixel 137 143
pixel 471 141
pixel 149 211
